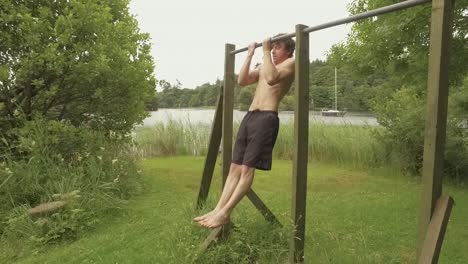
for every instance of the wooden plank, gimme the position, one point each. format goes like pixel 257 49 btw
pixel 301 127
pixel 217 233
pixel 436 231
pixel 436 113
pixel 211 238
pixel 264 210
pixel 213 148
pixel 46 208
pixel 228 108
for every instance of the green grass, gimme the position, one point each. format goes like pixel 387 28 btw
pixel 353 216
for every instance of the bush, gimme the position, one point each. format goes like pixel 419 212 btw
pixel 403 118
pixel 456 154
pixel 92 172
pixel 173 138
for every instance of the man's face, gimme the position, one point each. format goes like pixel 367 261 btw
pixel 279 53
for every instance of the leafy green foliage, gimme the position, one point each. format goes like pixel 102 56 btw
pixel 173 96
pixel 398 43
pixel 58 160
pixel 403 118
pixel 68 59
pixel 457 133
pixel 245 98
pixel 390 53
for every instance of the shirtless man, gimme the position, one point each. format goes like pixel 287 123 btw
pixel 259 128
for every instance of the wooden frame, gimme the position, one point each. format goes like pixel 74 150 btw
pixel 434 211
pixel 436 114
pixel 301 146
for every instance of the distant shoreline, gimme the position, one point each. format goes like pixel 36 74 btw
pixel 206 116
pixel 349 113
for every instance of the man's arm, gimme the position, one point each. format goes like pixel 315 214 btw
pixel 275 74
pixel 247 76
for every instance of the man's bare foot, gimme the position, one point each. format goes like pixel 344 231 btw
pixel 205 216
pixel 215 220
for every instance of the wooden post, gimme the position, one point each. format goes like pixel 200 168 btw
pixel 436 115
pixel 213 148
pixel 301 127
pixel 228 108
pixel 227 118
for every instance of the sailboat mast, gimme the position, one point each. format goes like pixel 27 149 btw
pixel 336 96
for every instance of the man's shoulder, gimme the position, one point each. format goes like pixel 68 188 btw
pixel 288 63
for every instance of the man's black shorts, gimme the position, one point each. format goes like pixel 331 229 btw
pixel 256 139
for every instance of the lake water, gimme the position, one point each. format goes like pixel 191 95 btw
pixel 205 116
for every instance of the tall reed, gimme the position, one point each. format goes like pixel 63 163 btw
pixel 341 144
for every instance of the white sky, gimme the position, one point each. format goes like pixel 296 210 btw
pixel 188 37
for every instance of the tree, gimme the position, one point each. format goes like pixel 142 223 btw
pixel 391 53
pixel 245 98
pixel 322 96
pixel 152 104
pixel 73 60
pixel 398 43
pixel 288 103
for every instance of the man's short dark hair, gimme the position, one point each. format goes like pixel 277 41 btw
pixel 289 43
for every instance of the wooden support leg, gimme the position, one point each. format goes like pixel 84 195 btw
pixel 269 216
pixel 436 231
pixel 217 233
pixel 210 161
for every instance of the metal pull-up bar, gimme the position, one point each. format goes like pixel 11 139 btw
pixel 371 13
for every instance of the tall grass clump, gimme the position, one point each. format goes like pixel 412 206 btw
pixel 91 172
pixel 176 137
pixel 341 144
pixel 252 240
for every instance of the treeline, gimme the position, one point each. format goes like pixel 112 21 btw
pixel 353 94
pixel 173 96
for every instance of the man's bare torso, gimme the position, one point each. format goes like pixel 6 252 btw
pixel 268 97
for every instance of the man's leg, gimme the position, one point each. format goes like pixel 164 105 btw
pixel 223 215
pixel 229 187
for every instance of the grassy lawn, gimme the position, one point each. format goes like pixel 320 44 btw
pixel 352 217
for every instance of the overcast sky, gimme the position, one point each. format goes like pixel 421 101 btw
pixel 188 37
